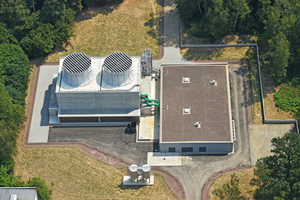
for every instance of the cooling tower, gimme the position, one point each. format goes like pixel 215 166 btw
pixel 117 69
pixel 77 70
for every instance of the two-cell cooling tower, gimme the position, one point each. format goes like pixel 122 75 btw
pixel 96 89
pixel 117 69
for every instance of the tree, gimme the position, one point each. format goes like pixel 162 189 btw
pixel 74 5
pixel 6 37
pixel 279 56
pixel 63 26
pixel 14 71
pixel 278 175
pixel 42 189
pixel 39 41
pixel 11 121
pixel 218 18
pixel 7 178
pixel 13 13
pixel 230 191
pixel 52 10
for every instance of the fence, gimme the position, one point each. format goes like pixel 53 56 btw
pixel 259 74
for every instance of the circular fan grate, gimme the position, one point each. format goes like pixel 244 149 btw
pixel 117 62
pixel 76 63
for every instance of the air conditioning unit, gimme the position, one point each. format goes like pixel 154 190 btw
pixel 197 124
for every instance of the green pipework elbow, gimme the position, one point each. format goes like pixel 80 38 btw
pixel 147 101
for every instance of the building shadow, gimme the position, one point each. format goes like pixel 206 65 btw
pixel 45 112
pixel 131 187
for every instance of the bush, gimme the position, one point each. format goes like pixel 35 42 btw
pixel 288 99
pixel 42 189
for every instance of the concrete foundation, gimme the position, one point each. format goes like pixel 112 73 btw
pixel 128 181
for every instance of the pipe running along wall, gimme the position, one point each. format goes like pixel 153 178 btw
pixel 148 102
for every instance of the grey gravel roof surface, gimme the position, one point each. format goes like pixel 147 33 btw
pixel 208 103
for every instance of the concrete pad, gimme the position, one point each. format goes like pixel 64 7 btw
pixel 39 128
pixel 146 127
pixel 260 139
pixel 164 159
pixel 127 181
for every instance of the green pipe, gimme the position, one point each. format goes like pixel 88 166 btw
pixel 147 101
pixel 145 96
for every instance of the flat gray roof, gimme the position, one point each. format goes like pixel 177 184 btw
pixel 208 104
pixel 28 193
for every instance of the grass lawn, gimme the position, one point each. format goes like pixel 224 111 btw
pixel 128 27
pixel 76 175
pixel 244 176
pixel 72 174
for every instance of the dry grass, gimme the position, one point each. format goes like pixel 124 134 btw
pixel 269 87
pixel 79 176
pixel 128 27
pixel 244 176
pixel 255 87
pixel 216 53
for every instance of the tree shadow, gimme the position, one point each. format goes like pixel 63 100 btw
pixel 89 13
pixel 154 24
pixel 38 61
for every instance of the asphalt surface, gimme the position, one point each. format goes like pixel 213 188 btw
pixel 114 140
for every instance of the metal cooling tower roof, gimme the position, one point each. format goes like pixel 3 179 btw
pixel 77 70
pixel 77 63
pixel 117 69
pixel 118 62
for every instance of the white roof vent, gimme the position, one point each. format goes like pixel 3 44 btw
pixel 197 124
pixel 13 197
pixel 117 69
pixel 77 69
pixel 185 80
pixel 214 83
pixel 186 111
